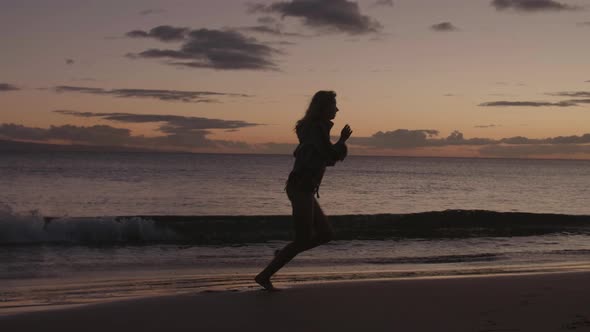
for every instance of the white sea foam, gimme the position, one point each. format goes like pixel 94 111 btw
pixel 32 227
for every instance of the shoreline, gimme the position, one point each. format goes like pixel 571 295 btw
pixel 518 302
pixel 85 292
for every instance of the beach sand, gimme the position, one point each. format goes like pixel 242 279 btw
pixel 540 302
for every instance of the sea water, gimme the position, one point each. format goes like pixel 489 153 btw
pixel 75 227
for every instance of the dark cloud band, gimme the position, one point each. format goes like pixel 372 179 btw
pixel 164 95
pixel 180 133
pixel 169 123
pixel 4 87
pixel 574 94
pixel 189 134
pixel 164 33
pixel 102 135
pixel 444 27
pixel 407 139
pixel 271 30
pixel 528 104
pixel 206 48
pixel 512 147
pixel 583 97
pixel 531 5
pixel 333 15
pixel 99 135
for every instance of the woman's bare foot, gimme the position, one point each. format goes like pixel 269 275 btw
pixel 265 283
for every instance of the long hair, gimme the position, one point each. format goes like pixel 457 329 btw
pixel 319 103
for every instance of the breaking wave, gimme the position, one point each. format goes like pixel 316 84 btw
pixel 33 228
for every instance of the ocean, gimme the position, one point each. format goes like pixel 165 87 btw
pixel 80 227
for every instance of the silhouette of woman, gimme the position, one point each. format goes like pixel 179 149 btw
pixel 314 152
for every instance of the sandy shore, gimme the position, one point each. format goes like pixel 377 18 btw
pixel 543 302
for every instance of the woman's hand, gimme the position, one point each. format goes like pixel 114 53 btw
pixel 345 133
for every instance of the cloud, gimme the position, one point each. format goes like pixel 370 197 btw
pixel 531 5
pixel 103 135
pixel 191 134
pixel 169 123
pixel 163 33
pixel 270 26
pixel 486 126
pixel 98 135
pixel 523 151
pixel 270 30
pixel 527 104
pixel 584 24
pixel 152 12
pixel 580 101
pixel 388 3
pixel 510 147
pixel 164 95
pixel 406 139
pixel 267 20
pixel 70 61
pixel 206 48
pixel 519 140
pixel 575 94
pixel 4 87
pixel 400 138
pixel 326 15
pixel 444 27
pixel 409 139
pixel 179 132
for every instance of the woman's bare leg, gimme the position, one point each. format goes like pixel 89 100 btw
pixel 323 229
pixel 303 214
pixel 308 221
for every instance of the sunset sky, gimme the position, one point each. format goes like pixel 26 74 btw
pixel 501 78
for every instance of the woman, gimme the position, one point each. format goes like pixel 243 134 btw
pixel 312 155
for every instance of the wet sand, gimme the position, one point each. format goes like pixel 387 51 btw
pixel 540 302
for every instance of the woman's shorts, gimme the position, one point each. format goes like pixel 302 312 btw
pixel 301 182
